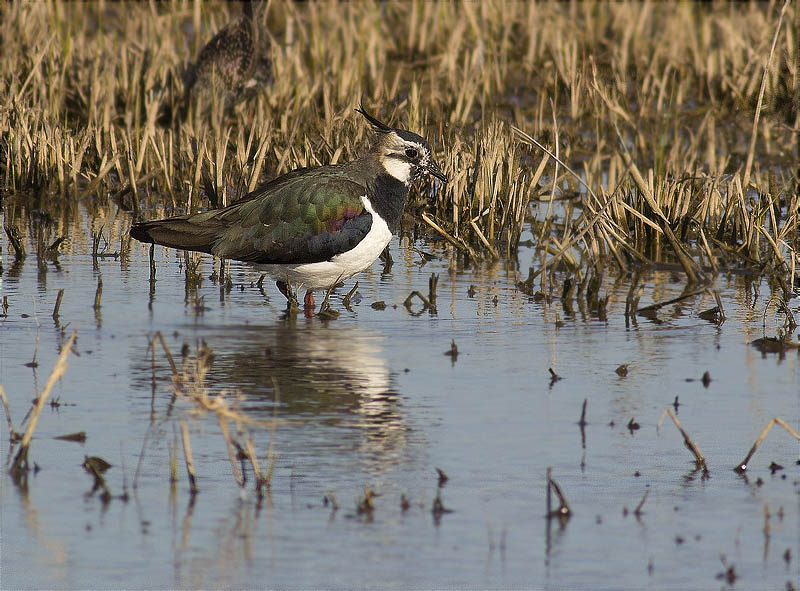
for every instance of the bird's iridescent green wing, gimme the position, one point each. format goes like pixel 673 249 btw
pixel 310 217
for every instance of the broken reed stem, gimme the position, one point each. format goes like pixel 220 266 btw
pixel 98 294
pixel 680 298
pixel 16 242
pixel 250 449
pixel 638 510
pixel 187 454
pixel 582 422
pixel 753 136
pixel 690 444
pixel 563 510
pixel 167 351
pixel 743 464
pixel 226 434
pixel 173 457
pixel 58 371
pixel 549 494
pixel 58 303
pixel 448 237
pixel 13 435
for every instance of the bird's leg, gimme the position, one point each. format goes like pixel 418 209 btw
pixel 308 304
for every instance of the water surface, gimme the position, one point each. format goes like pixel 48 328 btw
pixel 371 400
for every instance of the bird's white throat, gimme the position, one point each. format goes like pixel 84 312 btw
pixel 397 168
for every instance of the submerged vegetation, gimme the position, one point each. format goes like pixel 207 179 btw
pixel 653 106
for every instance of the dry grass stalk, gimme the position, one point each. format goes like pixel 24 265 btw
pixel 638 510
pixel 237 473
pixel 21 460
pixel 12 434
pixel 563 511
pixel 160 337
pixel 754 135
pixel 187 454
pixel 688 441
pixel 775 420
pixel 57 306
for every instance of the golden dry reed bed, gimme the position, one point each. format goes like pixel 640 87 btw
pixel 652 105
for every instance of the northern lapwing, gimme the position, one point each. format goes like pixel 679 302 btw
pixel 235 64
pixel 312 227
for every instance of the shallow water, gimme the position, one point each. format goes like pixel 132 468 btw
pixel 370 399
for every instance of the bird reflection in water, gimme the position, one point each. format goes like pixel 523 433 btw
pixel 333 380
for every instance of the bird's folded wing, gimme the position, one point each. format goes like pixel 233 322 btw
pixel 306 219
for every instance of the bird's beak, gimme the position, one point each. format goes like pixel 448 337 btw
pixel 434 169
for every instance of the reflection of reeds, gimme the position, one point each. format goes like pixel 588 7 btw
pixel 190 386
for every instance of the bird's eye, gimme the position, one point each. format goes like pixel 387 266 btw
pixel 411 152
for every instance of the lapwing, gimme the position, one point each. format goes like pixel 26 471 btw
pixel 312 227
pixel 235 65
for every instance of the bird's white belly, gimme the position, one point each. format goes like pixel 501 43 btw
pixel 326 273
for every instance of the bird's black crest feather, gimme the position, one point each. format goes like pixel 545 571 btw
pixel 379 126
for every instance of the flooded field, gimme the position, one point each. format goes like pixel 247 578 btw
pixel 369 401
pixel 550 384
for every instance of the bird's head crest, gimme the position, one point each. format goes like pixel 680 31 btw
pixel 379 126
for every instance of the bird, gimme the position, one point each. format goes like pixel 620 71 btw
pixel 312 227
pixel 235 64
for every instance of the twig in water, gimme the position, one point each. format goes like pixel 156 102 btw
pixel 432 283
pixel 638 510
pixel 690 444
pixel 12 434
pixel 740 469
pixel 21 460
pixel 166 350
pixel 58 303
pixel 659 305
pixel 455 242
pixel 582 423
pixel 98 294
pixel 187 453
pixel 554 377
pixel 563 512
pixel 349 296
pixel 426 303
pixel 16 242
pixel 229 443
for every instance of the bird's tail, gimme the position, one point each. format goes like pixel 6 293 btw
pixel 196 232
